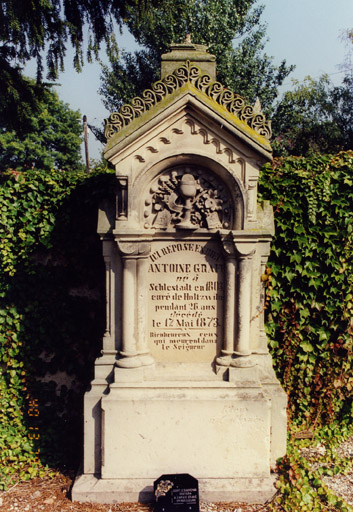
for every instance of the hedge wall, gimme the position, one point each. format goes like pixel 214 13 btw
pixel 52 302
pixel 52 315
pixel 310 284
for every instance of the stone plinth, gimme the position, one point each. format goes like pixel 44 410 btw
pixel 219 430
pixel 97 490
pixel 175 426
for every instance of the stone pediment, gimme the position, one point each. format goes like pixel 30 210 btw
pixel 188 134
pixel 188 129
pixel 188 88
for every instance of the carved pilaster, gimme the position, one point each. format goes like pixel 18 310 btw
pixel 252 199
pixel 108 341
pixel 122 198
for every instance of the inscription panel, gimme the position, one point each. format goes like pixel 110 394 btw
pixel 176 493
pixel 185 292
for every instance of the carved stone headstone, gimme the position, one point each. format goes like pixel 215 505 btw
pixel 185 381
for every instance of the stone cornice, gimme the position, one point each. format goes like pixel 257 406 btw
pixel 188 73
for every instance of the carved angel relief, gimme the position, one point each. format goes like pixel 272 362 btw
pixel 188 198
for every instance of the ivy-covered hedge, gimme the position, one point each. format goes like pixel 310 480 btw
pixel 310 284
pixel 52 304
pixel 51 315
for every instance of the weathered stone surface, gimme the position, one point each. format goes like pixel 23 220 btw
pixel 185 285
pixel 183 430
pixel 195 53
pixel 185 383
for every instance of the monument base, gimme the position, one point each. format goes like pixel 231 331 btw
pixel 215 429
pixel 88 488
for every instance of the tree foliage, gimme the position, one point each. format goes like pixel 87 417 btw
pixel 242 67
pixel 314 117
pixel 52 139
pixel 45 27
pixel 42 30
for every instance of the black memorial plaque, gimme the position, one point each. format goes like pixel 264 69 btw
pixel 176 493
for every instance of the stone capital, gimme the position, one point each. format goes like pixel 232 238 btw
pixel 234 247
pixel 245 249
pixel 122 181
pixel 228 248
pixel 107 249
pixel 127 248
pixel 144 248
pixel 133 248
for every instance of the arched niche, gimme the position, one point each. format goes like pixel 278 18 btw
pixel 189 192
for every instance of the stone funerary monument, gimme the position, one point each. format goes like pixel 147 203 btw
pixel 185 382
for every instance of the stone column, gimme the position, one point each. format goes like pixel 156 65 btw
pixel 134 351
pixel 142 302
pixel 242 341
pixel 128 354
pixel 229 305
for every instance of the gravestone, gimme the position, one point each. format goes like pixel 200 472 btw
pixel 176 493
pixel 185 383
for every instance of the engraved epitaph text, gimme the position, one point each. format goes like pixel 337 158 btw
pixel 185 289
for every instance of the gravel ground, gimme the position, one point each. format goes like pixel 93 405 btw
pixel 53 495
pixel 341 485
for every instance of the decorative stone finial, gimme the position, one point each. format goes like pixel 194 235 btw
pixel 188 51
pixel 257 107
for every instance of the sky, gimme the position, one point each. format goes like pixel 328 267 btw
pixel 306 33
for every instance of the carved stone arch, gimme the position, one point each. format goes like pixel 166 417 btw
pixel 209 197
